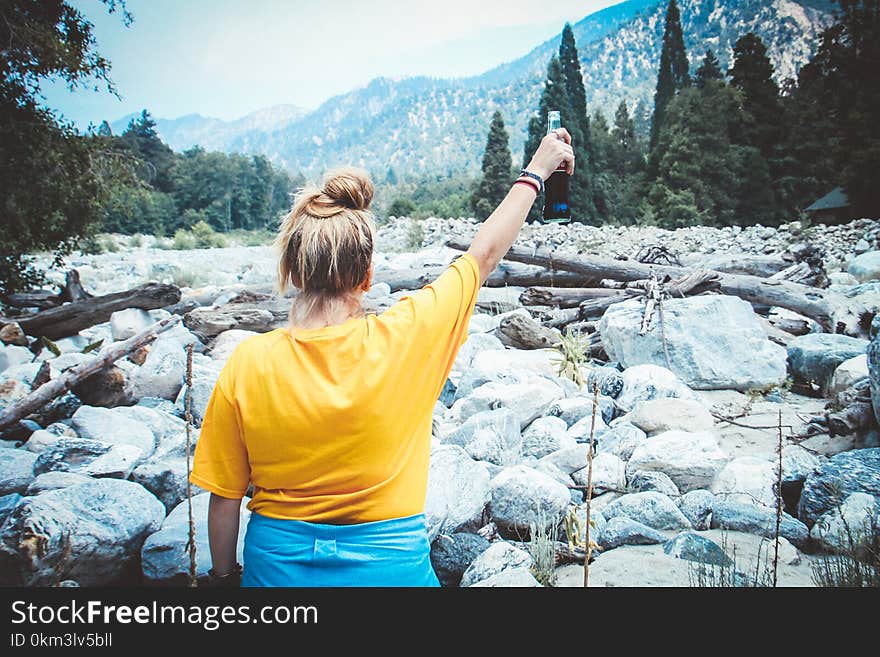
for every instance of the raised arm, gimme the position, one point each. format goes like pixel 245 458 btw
pixel 499 231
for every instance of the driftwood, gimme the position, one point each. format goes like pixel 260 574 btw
pixel 525 333
pixel 811 302
pixel 564 297
pixel 75 316
pixel 416 278
pixel 43 299
pixel 50 390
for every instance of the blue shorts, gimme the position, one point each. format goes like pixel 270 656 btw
pixel 296 553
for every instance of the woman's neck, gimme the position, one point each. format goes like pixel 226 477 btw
pixel 330 313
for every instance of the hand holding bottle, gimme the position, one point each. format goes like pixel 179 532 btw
pixel 555 150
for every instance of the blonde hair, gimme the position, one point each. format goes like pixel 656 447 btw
pixel 325 243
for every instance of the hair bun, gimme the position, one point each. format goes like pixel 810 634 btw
pixel 349 187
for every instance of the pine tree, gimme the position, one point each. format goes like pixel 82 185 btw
pixel 554 97
pixel 495 183
pixel 104 130
pixel 564 91
pixel 624 136
pixel 673 74
pixel 143 140
pixel 586 200
pixel 752 74
pixel 710 69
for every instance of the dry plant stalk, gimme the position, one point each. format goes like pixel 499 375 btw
pixel 191 543
pixel 587 545
pixel 778 500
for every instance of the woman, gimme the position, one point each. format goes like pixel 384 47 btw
pixel 329 418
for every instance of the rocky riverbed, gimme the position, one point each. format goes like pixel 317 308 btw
pixel 685 466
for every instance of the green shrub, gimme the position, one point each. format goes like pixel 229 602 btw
pixel 137 240
pixel 402 207
pixel 183 239
pixel 415 234
pixel 206 237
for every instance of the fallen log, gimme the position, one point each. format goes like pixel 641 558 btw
pixel 20 409
pixel 564 297
pixel 811 302
pixel 414 279
pixel 71 318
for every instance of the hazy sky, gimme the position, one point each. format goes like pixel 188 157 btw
pixel 226 58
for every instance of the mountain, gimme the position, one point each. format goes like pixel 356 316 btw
pixel 425 125
pixel 215 134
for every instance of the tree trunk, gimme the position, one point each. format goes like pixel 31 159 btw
pixel 811 302
pixel 71 318
pixel 565 297
pixel 51 389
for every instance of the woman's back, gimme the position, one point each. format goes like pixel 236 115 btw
pixel 333 424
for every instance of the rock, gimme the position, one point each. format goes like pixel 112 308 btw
pixel 693 547
pixel 492 436
pixel 873 353
pixel 11 356
pixel 12 334
pixel 652 509
pixel 849 528
pixel 92 458
pixel 475 343
pixel 714 342
pixel 697 507
pixel 129 322
pixel 499 556
pixel 109 387
pixel 856 471
pixel 169 431
pixel 7 504
pixel 645 382
pixel 16 470
pixel 842 278
pixel 507 366
pixel 862 246
pixel 848 373
pixel 815 356
pixel 747 479
pixel 522 497
pixel 580 430
pixel 40 440
pixel 205 376
pixel 865 267
pixel 47 481
pixel 658 415
pixel 452 555
pixel 166 479
pixel 544 436
pixel 609 473
pixel 458 491
pixel 621 440
pixel 510 578
pixel 692 460
pixel 608 380
pixel 622 530
pixel 527 400
pixel 164 558
pixel 163 372
pixel 756 519
pixel 797 464
pixel 91 533
pixel 578 406
pixel 644 481
pixel 112 425
pixel 11 390
pixel 225 343
pixel 567 459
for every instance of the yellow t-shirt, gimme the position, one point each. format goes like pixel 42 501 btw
pixel 333 424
